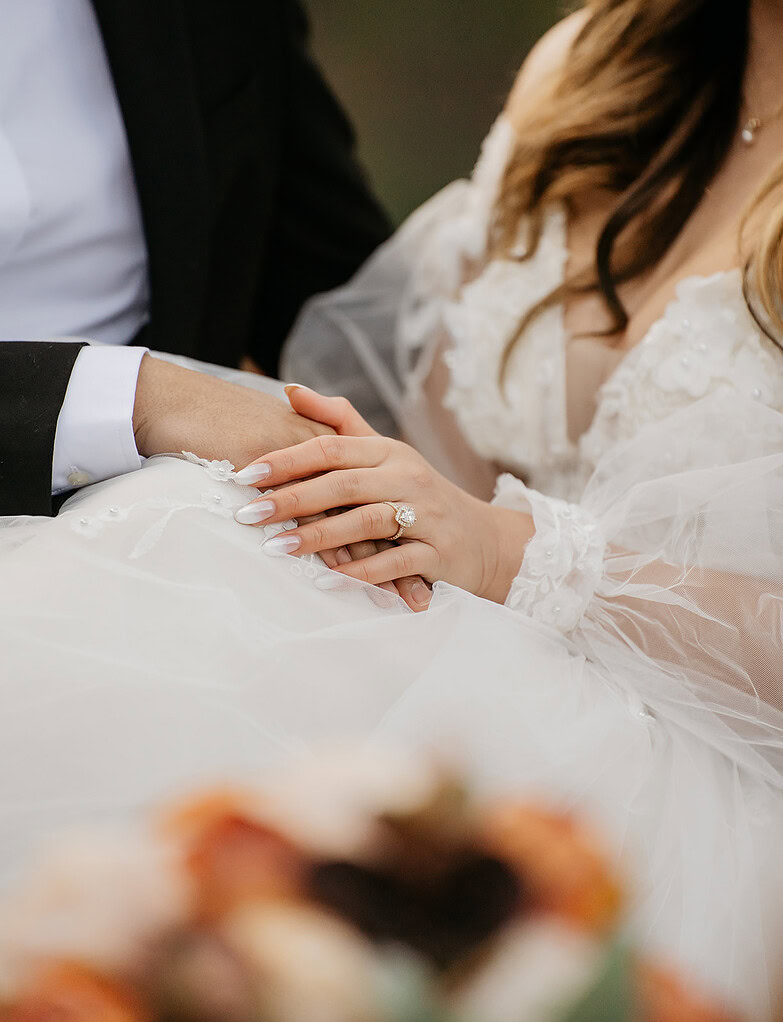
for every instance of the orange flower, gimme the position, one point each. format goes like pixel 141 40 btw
pixel 70 993
pixel 190 817
pixel 232 855
pixel 561 867
pixel 237 860
pixel 666 999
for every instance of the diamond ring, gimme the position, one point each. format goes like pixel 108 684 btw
pixel 404 516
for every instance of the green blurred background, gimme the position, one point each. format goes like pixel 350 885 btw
pixel 423 80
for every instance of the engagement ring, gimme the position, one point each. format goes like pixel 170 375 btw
pixel 404 516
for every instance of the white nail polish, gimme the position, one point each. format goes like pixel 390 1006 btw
pixel 253 474
pixel 279 545
pixel 258 511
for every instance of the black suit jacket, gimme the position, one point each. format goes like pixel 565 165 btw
pixel 250 193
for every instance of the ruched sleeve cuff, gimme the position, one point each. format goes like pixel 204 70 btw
pixel 564 561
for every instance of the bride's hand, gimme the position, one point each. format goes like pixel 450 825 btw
pixel 412 590
pixel 456 538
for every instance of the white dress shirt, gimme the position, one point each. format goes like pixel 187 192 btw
pixel 73 261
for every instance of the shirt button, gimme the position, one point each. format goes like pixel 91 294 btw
pixel 78 478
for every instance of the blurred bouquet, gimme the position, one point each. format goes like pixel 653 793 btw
pixel 363 889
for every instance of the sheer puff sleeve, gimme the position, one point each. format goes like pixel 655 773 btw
pixel 377 337
pixel 670 567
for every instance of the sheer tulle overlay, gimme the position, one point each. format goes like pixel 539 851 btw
pixel 148 641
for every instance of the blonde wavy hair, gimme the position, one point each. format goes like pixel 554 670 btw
pixel 646 106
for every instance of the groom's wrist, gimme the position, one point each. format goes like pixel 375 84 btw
pixel 168 401
pixel 150 405
pixel 179 409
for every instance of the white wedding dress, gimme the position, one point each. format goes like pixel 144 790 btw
pixel 149 644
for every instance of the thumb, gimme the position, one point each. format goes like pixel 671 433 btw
pixel 337 412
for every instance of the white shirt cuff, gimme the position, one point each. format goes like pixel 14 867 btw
pixel 94 438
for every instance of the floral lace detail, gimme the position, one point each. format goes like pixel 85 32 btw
pixel 220 471
pixel 480 319
pixel 217 502
pixel 705 342
pixel 222 500
pixel 563 562
pixel 529 413
pixel 460 242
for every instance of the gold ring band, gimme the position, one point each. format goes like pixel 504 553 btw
pixel 404 516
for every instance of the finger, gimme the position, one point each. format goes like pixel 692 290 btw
pixel 313 457
pixel 415 591
pixel 361 549
pixel 337 412
pixel 341 555
pixel 372 548
pixel 313 496
pixel 358 551
pixel 331 558
pixel 409 558
pixel 351 528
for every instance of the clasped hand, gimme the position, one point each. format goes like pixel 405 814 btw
pixel 457 538
pixel 179 409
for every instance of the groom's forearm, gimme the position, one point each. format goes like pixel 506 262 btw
pixel 178 409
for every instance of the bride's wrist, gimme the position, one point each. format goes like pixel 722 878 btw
pixel 511 531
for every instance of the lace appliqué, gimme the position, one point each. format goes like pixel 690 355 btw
pixel 92 525
pixel 220 471
pixel 219 500
pixel 705 342
pixel 563 562
pixel 525 420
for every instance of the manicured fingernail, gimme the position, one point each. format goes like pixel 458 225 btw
pixel 420 594
pixel 342 556
pixel 258 511
pixel 279 545
pixel 253 474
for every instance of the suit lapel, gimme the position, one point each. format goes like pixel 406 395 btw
pixel 146 43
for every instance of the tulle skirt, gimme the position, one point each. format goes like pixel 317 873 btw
pixel 149 643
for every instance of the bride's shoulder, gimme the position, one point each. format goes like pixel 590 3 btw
pixel 544 63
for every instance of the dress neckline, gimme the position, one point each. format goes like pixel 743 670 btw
pixel 505 133
pixel 682 287
pixel 704 339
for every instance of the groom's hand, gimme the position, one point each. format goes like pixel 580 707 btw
pixel 178 410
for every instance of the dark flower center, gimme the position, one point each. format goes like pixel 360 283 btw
pixel 443 917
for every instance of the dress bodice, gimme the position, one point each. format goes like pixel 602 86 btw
pixel 705 342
